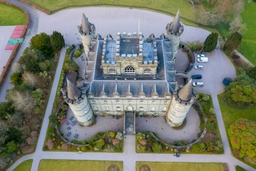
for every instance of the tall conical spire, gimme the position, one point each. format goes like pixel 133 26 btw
pixel 115 94
pixel 85 24
pixel 185 92
pixel 128 93
pixel 103 91
pixel 73 91
pixel 142 94
pixel 154 91
pixel 175 25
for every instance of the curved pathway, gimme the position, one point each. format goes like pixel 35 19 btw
pixel 129 157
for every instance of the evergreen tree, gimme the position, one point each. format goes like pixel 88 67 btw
pixel 211 42
pixel 57 40
pixel 42 42
pixel 233 42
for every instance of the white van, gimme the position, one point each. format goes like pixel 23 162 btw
pixel 202 59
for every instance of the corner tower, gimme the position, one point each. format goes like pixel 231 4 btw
pixel 182 100
pixel 173 32
pixel 79 104
pixel 87 33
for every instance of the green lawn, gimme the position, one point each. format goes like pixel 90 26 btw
pixel 161 5
pixel 178 166
pixel 248 45
pixel 24 166
pixel 230 114
pixel 11 16
pixel 77 165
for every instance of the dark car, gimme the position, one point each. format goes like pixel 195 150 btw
pixel 196 76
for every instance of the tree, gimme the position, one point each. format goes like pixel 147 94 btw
pixel 23 101
pixel 242 135
pixel 16 78
pixel 209 18
pixel 11 147
pixel 57 40
pixel 6 110
pixel 233 42
pixel 236 25
pixel 30 79
pixel 242 91
pixel 211 42
pixel 252 73
pixel 42 43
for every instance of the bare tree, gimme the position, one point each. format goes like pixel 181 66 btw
pixel 30 79
pixel 208 18
pixel 236 25
pixel 23 101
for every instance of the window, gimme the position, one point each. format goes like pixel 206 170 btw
pixel 152 109
pixel 118 108
pixel 164 109
pixel 141 109
pixel 111 71
pixel 129 69
pixel 147 71
pixel 107 109
pixel 95 108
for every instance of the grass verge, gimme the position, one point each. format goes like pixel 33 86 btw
pixel 11 16
pixel 167 166
pixel 75 165
pixel 230 114
pixel 248 45
pixel 24 166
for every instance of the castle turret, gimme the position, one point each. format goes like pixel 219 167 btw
pixel 173 32
pixel 87 33
pixel 79 104
pixel 182 100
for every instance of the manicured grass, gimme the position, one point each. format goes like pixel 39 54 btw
pixel 11 16
pixel 24 166
pixel 166 166
pixel 163 5
pixel 248 45
pixel 230 114
pixel 77 165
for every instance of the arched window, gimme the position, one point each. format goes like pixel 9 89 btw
pixel 147 71
pixel 95 108
pixel 164 109
pixel 118 108
pixel 129 69
pixel 141 109
pixel 152 109
pixel 111 71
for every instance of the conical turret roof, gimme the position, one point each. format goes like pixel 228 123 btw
pixel 175 25
pixel 185 92
pixel 72 90
pixel 85 24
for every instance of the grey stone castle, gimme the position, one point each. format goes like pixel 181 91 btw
pixel 129 75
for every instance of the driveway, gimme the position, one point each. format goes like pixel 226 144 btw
pixel 215 70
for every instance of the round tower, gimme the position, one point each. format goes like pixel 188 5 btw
pixel 78 103
pixel 173 32
pixel 87 33
pixel 182 100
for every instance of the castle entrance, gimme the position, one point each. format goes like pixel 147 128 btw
pixel 129 122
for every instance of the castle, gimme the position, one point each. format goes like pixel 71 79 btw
pixel 129 75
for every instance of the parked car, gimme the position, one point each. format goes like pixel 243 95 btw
pixel 196 76
pixel 202 59
pixel 199 67
pixel 197 84
pixel 200 55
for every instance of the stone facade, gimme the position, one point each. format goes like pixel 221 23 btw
pixel 130 74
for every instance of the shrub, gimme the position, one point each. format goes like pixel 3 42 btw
pixel 235 56
pixel 78 53
pixel 112 134
pixel 156 147
pixel 140 136
pixel 238 62
pixel 99 143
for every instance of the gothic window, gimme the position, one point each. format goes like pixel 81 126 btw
pixel 152 109
pixel 129 69
pixel 107 109
pixel 141 109
pixel 164 109
pixel 111 71
pixel 118 108
pixel 147 71
pixel 95 108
